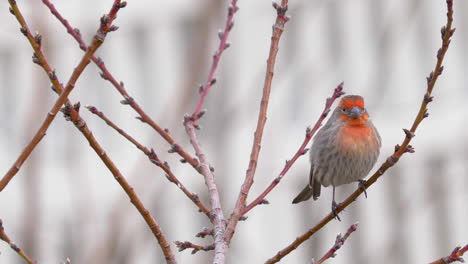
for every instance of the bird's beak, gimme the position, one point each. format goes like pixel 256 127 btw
pixel 355 112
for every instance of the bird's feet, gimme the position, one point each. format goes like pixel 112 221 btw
pixel 362 186
pixel 334 212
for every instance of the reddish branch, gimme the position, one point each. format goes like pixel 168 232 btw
pixel 217 217
pixel 278 29
pixel 39 58
pixel 339 242
pixel 301 151
pixel 106 75
pixel 205 232
pixel 154 159
pixel 455 256
pixel 195 248
pixel 223 45
pixel 447 33
pixel 19 251
pixel 120 178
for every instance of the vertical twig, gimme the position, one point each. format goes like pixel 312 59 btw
pixel 217 217
pixel 278 29
pixel 446 34
pixel 223 45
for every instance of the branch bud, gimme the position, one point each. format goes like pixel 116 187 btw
pixel 52 75
pixel 105 20
pixel 38 38
pixel 408 133
pixel 24 30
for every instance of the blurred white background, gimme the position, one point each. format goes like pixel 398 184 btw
pixel 65 203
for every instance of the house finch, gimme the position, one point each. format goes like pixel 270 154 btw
pixel 343 151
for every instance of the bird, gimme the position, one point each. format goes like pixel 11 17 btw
pixel 343 151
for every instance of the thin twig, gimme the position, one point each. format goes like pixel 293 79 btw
pixel 223 45
pixel 301 151
pixel 106 75
pixel 217 217
pixel 205 232
pixel 455 256
pixel 339 242
pixel 19 251
pixel 120 178
pixel 195 248
pixel 447 33
pixel 39 58
pixel 278 29
pixel 154 159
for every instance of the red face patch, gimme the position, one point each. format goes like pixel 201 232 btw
pixel 352 100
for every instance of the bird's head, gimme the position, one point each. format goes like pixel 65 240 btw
pixel 352 111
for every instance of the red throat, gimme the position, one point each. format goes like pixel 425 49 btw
pixel 355 137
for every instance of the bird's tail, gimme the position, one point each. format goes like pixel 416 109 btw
pixel 307 192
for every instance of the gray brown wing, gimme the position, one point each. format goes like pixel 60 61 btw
pixel 311 189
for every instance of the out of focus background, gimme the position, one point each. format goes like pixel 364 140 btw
pixel 65 203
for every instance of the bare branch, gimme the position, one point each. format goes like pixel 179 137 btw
pixel 39 58
pixel 217 217
pixel 455 256
pixel 447 33
pixel 205 232
pixel 278 29
pixel 195 248
pixel 223 45
pixel 339 242
pixel 120 178
pixel 106 75
pixel 154 159
pixel 4 237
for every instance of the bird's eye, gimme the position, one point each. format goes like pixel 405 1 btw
pixel 344 110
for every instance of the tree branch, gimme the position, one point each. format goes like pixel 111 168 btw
pixel 154 159
pixel 447 33
pixel 301 151
pixel 339 242
pixel 455 256
pixel 106 75
pixel 223 45
pixel 278 29
pixel 39 58
pixel 217 217
pixel 195 248
pixel 120 178
pixel 19 251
